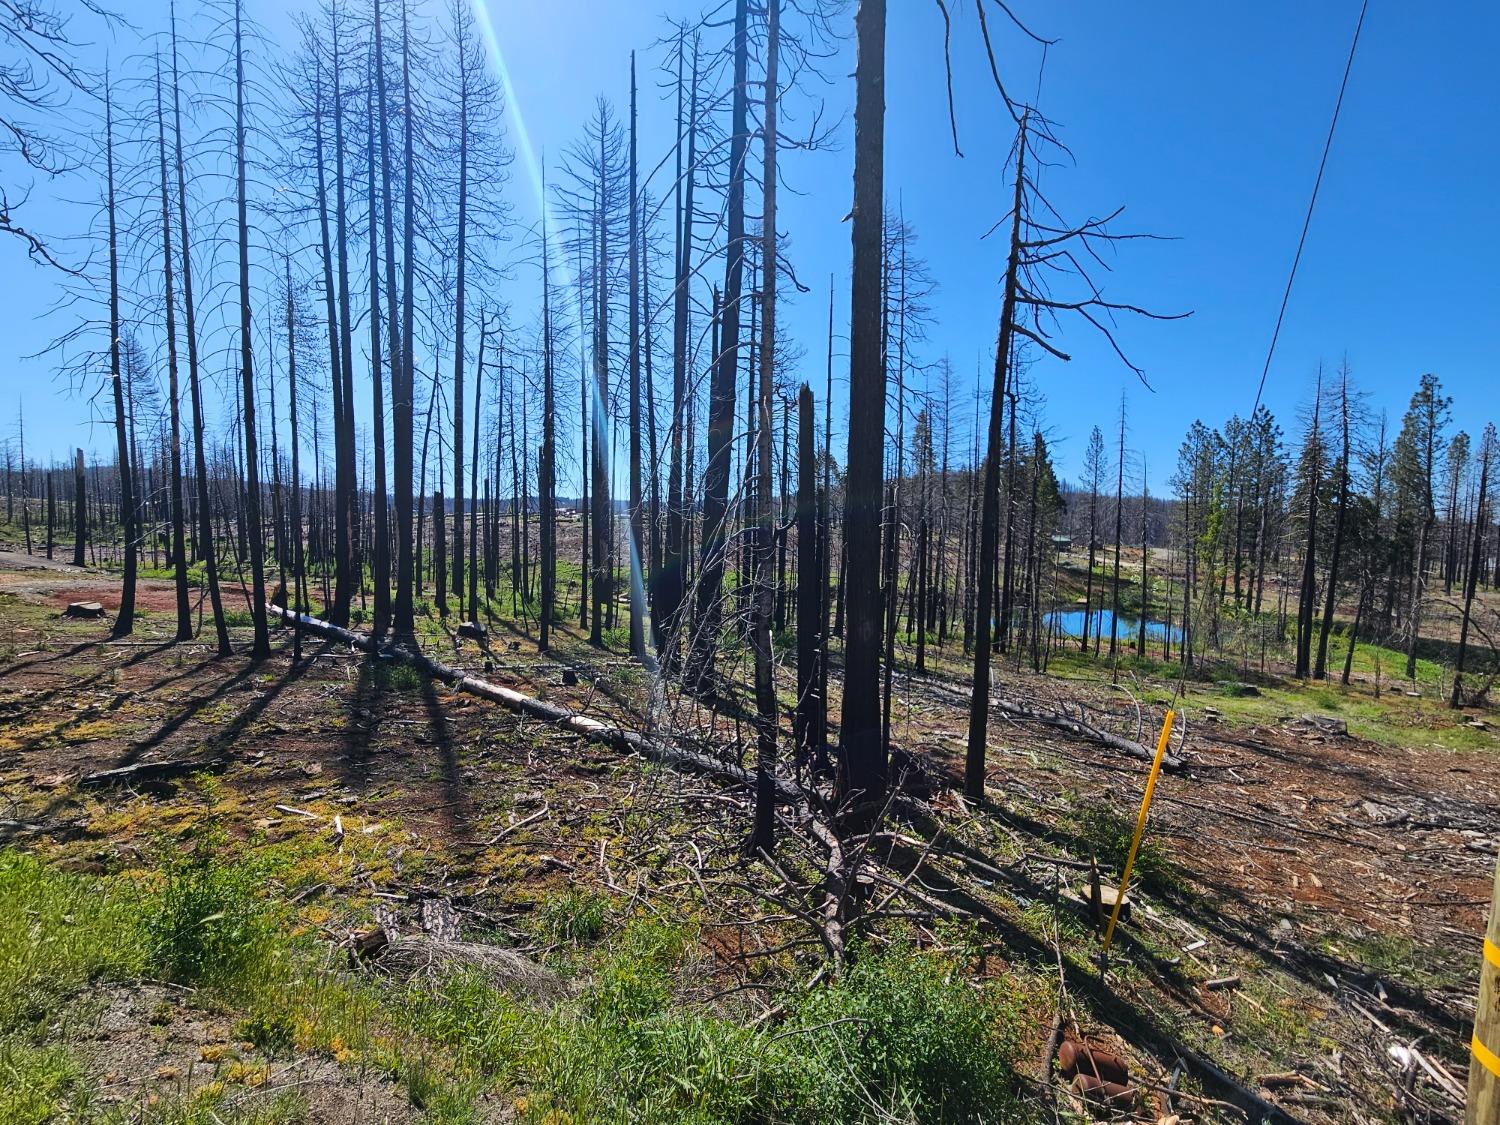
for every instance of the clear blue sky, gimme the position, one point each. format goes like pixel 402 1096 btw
pixel 1205 121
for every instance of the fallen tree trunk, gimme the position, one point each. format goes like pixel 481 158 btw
pixel 151 771
pixel 1076 727
pixel 20 829
pixel 592 729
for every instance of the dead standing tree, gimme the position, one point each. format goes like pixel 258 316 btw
pixel 1039 253
pixel 721 403
pixel 862 758
pixel 1487 453
pixel 765 683
pixel 125 619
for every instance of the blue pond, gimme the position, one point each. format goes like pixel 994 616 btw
pixel 1070 624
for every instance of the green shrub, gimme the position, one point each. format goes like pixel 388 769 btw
pixel 398 677
pixel 273 1032
pixel 205 925
pixel 484 1028
pixel 901 1030
pixel 1107 834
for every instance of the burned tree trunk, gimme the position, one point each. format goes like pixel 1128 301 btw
pixel 808 737
pixel 763 833
pixel 726 361
pixel 179 542
pixel 1476 559
pixel 989 506
pixel 261 647
pixel 80 512
pixel 195 390
pixel 862 760
pixel 125 620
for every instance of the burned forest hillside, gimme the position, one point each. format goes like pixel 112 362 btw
pixel 549 574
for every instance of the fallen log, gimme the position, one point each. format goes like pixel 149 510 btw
pixel 150 771
pixel 1076 727
pixel 559 716
pixel 63 829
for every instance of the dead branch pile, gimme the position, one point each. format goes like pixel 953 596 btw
pixel 422 957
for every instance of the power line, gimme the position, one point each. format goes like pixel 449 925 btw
pixel 1311 203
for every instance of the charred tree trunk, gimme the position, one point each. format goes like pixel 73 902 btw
pixel 299 578
pixel 862 760
pixel 403 360
pixel 80 512
pixel 381 563
pixel 547 459
pixel 206 545
pixel 812 619
pixel 261 647
pixel 637 527
pixel 1471 579
pixel 1320 668
pixel 989 507
pixel 763 833
pixel 726 362
pixel 125 619
pixel 179 534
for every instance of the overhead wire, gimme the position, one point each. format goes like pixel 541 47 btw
pixel 1312 203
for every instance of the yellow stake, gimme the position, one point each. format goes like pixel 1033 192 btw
pixel 1140 825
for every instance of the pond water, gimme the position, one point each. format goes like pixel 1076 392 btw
pixel 1070 624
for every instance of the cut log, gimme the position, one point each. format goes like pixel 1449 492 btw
pixel 366 945
pixel 143 772
pixel 84 610
pixel 1328 724
pixel 63 830
pixel 1103 1095
pixel 1085 731
pixel 1079 1058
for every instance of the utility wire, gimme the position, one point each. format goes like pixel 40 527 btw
pixel 1311 203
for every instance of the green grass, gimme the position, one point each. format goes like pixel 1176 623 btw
pixel 39 1084
pixel 206 925
pixel 1106 834
pixel 1395 719
pixel 575 917
pixel 901 1027
pixel 60 933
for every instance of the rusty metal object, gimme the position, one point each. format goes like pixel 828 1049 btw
pixel 1101 1078
pixel 1103 1095
pixel 1079 1058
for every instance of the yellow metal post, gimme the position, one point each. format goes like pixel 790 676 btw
pixel 1484 1067
pixel 1140 825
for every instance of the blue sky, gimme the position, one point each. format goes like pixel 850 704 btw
pixel 1205 122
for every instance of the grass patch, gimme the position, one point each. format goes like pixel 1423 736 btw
pixel 58 934
pixel 1104 833
pixel 206 925
pixel 397 676
pixel 575 917
pixel 39 1084
pixel 902 1029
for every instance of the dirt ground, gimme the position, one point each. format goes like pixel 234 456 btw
pixel 1341 883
